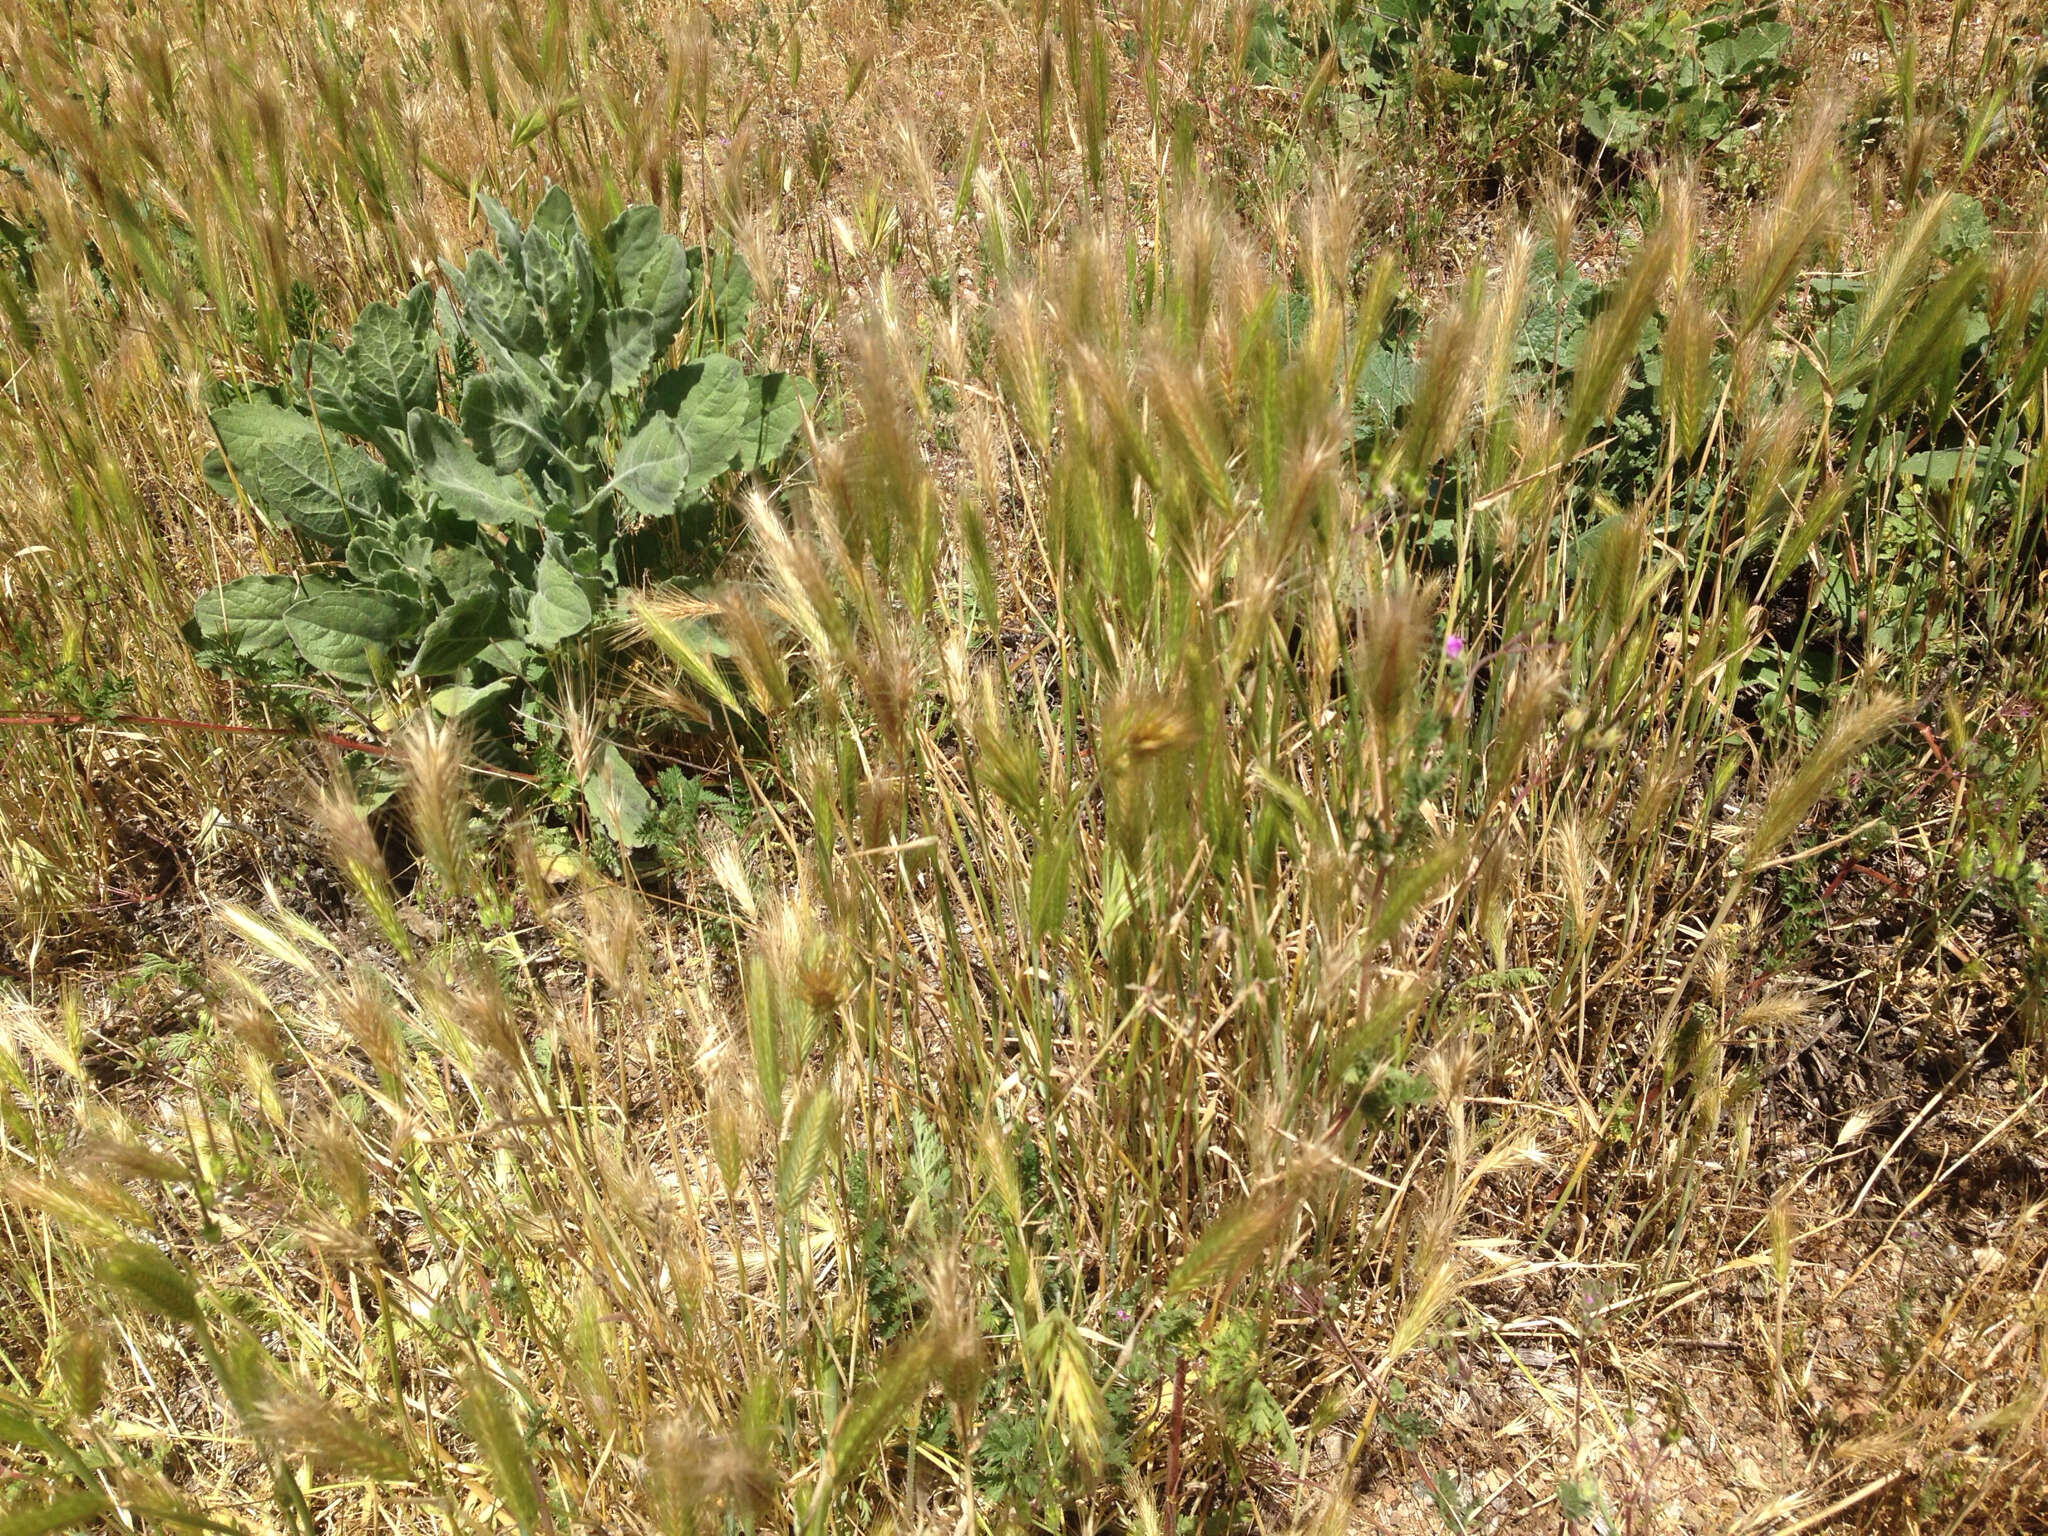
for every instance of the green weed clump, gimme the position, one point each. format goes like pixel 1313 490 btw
pixel 470 551
pixel 1477 94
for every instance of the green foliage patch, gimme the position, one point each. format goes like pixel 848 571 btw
pixel 479 471
pixel 1595 80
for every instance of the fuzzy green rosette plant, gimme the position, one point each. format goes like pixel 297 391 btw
pixel 480 470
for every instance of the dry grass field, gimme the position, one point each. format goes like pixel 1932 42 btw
pixel 1191 768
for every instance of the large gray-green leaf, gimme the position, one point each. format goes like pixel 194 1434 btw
pixel 560 607
pixel 504 226
pixel 629 348
pixel 320 377
pixel 776 403
pixel 246 616
pixel 618 800
pixel 651 269
pixel 337 632
pixel 653 468
pixel 391 368
pixel 1731 57
pixel 370 556
pixel 730 294
pixel 708 400
pixel 471 488
pixel 560 282
pixel 294 473
pixel 461 699
pixel 494 301
pixel 501 416
pixel 461 568
pixel 555 214
pixel 458 632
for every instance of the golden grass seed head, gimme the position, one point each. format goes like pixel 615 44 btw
pixel 350 842
pixel 93 1208
pixel 728 864
pixel 1392 633
pixel 1326 228
pixel 334 1144
pixel 1611 561
pixel 880 801
pixel 252 1022
pixel 1804 212
pixel 363 1008
pixel 1533 691
pixel 1777 1009
pixel 297 1419
pixel 81 1368
pixel 1852 725
pixel 1779 1223
pixel 889 676
pixel 1024 363
pixel 435 753
pixel 1198 242
pixel 1572 848
pixel 469 996
pixel 611 938
pixel 1142 723
pixel 494 1426
pixel 1558 205
pixel 688 1471
pixel 118 1152
pixel 144 1275
pixel 1771 465
pixel 1686 384
pixel 1607 355
pixel 1447 371
pixel 1504 319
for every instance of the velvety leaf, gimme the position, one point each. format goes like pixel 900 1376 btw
pixel 619 801
pixel 336 630
pixel 501 417
pixel 461 699
pixel 469 487
pixel 246 616
pixel 555 215
pixel 629 348
pixel 560 282
pixel 1386 387
pixel 513 657
pixel 318 483
pixel 1964 229
pixel 213 469
pixel 391 368
pixel 494 301
pixel 462 568
pixel 459 631
pixel 369 558
pixel 320 377
pixel 653 468
pixel 506 228
pixel 776 403
pixel 560 607
pixel 709 401
pixel 730 290
pixel 1734 56
pixel 651 270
